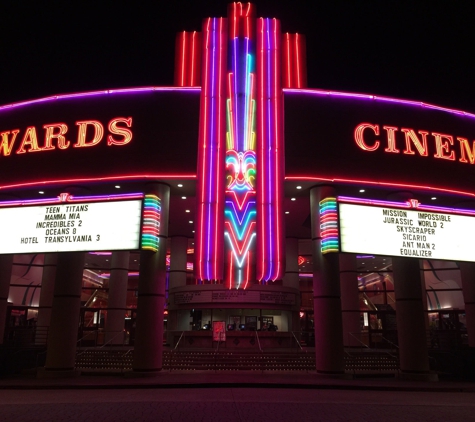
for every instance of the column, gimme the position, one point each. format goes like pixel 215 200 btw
pixel 63 332
pixel 151 296
pixel 326 295
pixel 350 301
pixel 46 296
pixel 117 298
pixel 467 272
pixel 6 262
pixel 291 277
pixel 176 278
pixel 178 258
pixel 412 338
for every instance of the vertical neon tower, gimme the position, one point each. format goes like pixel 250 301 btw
pixel 270 249
pixel 211 177
pixel 240 207
pixel 240 160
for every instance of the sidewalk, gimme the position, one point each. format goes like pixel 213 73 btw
pixel 224 379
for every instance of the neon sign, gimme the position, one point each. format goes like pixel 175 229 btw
pixel 443 146
pixel 89 133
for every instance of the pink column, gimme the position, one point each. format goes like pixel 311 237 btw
pixel 63 332
pixel 117 297
pixel 467 272
pixel 151 296
pixel 411 328
pixel 326 296
pixel 6 262
pixel 350 303
pixel 46 296
pixel 291 277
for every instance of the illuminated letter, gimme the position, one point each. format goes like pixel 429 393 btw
pixel 5 146
pixel 421 146
pixel 98 133
pixel 442 145
pixel 359 136
pixel 391 139
pixel 126 133
pixel 29 139
pixel 59 135
pixel 465 148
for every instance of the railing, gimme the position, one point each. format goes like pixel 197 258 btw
pixel 358 340
pixel 298 342
pixel 104 344
pixel 178 342
pixel 26 336
pixel 258 342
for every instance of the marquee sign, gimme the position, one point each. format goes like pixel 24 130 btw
pixel 409 229
pixel 72 225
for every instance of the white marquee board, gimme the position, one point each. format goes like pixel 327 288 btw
pixel 406 232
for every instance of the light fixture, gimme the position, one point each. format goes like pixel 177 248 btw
pixel 191 222
pixel 362 190
pixel 187 210
pixel 180 185
pixel 433 198
pixel 41 192
pixel 117 186
pixel 293 199
pixel 183 197
pixel 287 212
pixel 299 187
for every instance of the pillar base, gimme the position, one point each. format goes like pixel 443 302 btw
pixel 142 374
pixel 62 373
pixel 414 376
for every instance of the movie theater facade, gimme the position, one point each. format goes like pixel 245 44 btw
pixel 236 206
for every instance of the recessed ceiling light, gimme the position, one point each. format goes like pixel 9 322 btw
pixel 299 187
pixel 183 197
pixel 191 222
pixel 362 190
pixel 287 212
pixel 293 199
pixel 192 231
pixel 41 192
pixel 433 198
pixel 180 185
pixel 187 210
pixel 117 186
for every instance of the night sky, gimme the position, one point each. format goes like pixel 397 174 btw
pixel 420 50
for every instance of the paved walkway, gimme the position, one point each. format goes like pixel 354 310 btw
pixel 231 404
pixel 241 379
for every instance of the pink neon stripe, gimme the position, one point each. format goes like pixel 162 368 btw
pixel 44 183
pixel 71 200
pixel 405 205
pixel 320 92
pixel 370 182
pixel 97 93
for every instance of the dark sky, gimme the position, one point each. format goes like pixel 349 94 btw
pixel 419 50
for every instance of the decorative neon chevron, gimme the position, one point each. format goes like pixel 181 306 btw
pixel 151 222
pixel 329 225
pixel 240 194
